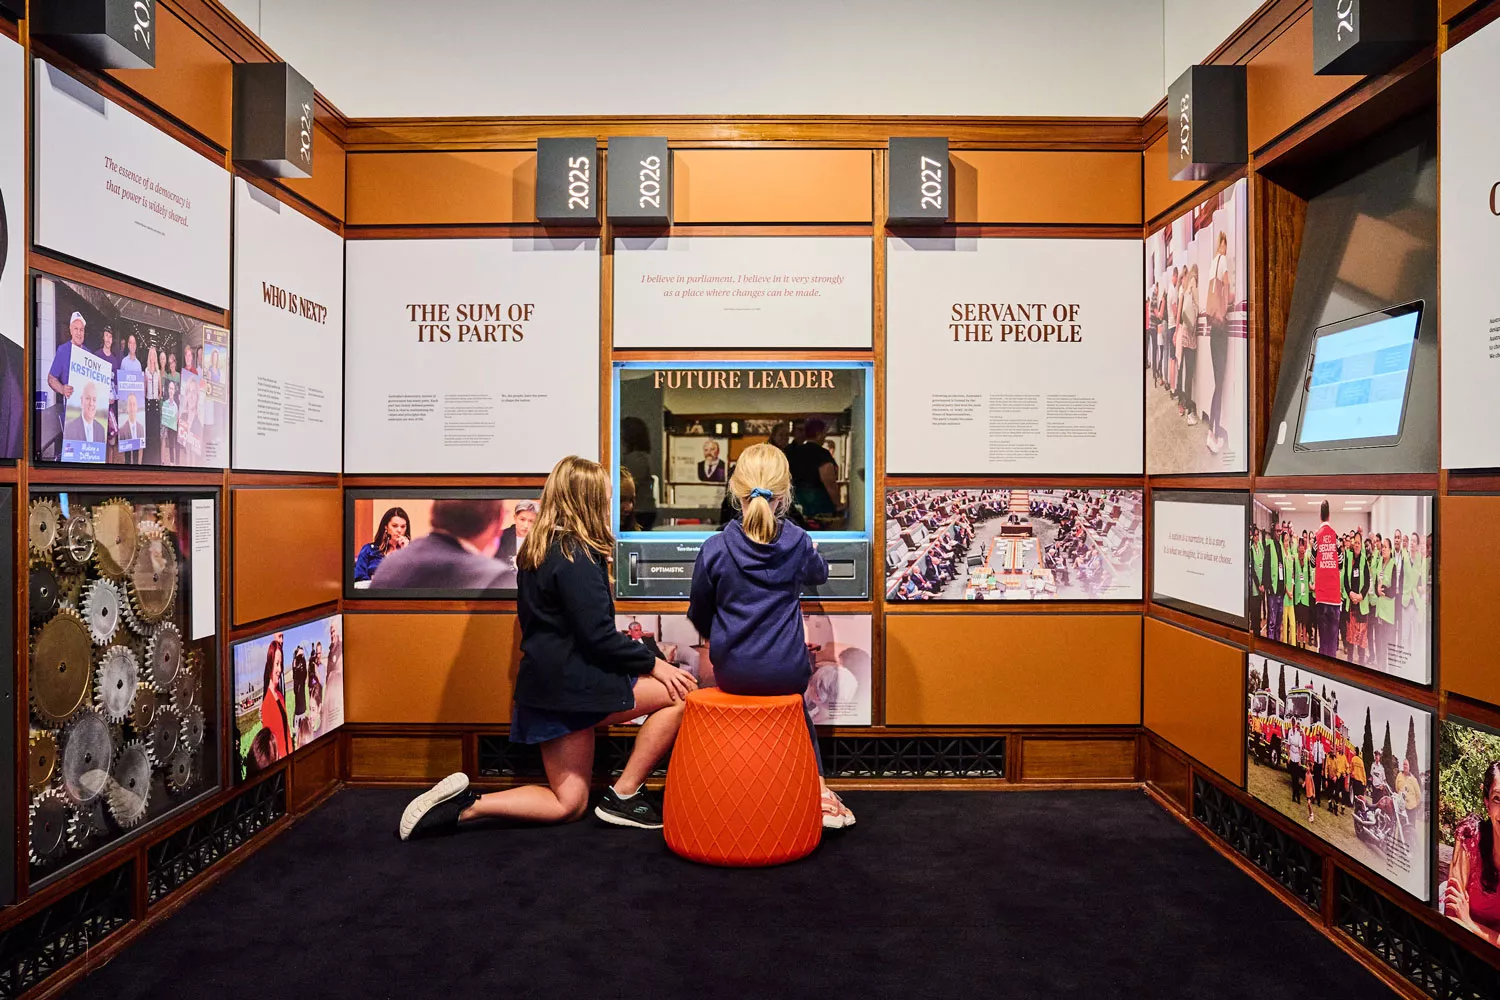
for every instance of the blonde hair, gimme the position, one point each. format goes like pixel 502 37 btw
pixel 762 467
pixel 574 513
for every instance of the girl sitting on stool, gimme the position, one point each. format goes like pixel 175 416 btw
pixel 746 595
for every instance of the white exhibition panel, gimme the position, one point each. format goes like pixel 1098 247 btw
pixel 743 292
pixel 1198 554
pixel 470 355
pixel 288 337
pixel 1470 251
pixel 1013 356
pixel 12 191
pixel 119 193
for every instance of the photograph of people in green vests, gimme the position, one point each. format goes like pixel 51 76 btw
pixel 1349 766
pixel 1348 576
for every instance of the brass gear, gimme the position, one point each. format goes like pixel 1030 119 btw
pixel 115 537
pixel 70 589
pixel 41 526
pixel 41 759
pixel 143 710
pixel 74 548
pixel 61 666
pixel 153 577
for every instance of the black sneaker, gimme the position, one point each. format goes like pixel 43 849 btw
pixel 437 809
pixel 637 811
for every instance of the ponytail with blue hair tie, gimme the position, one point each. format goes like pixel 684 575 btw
pixel 761 491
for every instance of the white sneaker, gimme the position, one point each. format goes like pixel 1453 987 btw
pixel 1192 419
pixel 454 784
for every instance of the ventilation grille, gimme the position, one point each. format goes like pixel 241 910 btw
pixel 49 939
pixel 1295 867
pixel 189 852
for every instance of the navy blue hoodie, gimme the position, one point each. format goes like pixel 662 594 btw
pixel 746 600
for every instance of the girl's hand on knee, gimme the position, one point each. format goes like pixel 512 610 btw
pixel 678 682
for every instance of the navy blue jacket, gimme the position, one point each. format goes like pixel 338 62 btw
pixel 573 658
pixel 746 600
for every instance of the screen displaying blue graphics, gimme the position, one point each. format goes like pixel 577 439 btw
pixel 1359 379
pixel 680 429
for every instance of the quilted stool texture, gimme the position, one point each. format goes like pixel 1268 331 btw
pixel 742 787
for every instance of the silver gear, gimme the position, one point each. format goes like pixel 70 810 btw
pixel 143 710
pixel 115 683
pixel 130 785
pixel 133 621
pixel 87 749
pixel 101 611
pixel 164 656
pixel 50 817
pixel 192 728
pixel 41 526
pixel 180 771
pixel 74 547
pixel 164 735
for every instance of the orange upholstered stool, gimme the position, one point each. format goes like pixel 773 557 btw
pixel 742 788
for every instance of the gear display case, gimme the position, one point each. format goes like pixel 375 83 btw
pixel 123 671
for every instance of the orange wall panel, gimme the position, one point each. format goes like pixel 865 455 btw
pixel 1281 89
pixel 192 81
pixel 1468 580
pixel 325 188
pixel 430 667
pixel 1012 669
pixel 441 187
pixel 773 185
pixel 1023 187
pixel 1195 696
pixel 286 553
pixel 1161 191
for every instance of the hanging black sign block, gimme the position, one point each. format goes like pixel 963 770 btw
pixel 101 34
pixel 1206 131
pixel 273 119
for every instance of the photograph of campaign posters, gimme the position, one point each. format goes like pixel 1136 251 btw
pixel 437 544
pixel 1195 338
pixel 1013 544
pixel 120 381
pixel 1346 575
pixel 838 659
pixel 1351 767
pixel 1468 877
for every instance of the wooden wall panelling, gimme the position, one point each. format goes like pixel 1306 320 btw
pixel 1012 669
pixel 771 185
pixel 1277 221
pixel 287 549
pixel 192 80
pixel 430 667
pixel 1280 87
pixel 1468 580
pixel 1161 193
pixel 1169 774
pixel 1194 696
pixel 403 758
pixel 326 187
pixel 1084 759
pixel 314 772
pixel 1046 187
pixel 432 188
